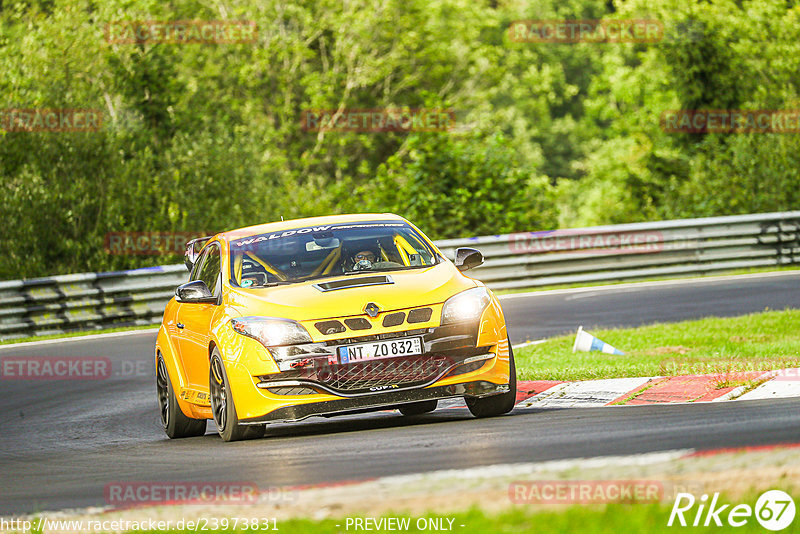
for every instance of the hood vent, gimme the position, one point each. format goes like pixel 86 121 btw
pixel 347 283
pixel 420 315
pixel 330 327
pixel 359 323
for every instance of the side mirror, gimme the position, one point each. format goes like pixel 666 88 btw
pixel 192 251
pixel 468 258
pixel 196 291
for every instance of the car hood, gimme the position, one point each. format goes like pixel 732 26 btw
pixel 303 301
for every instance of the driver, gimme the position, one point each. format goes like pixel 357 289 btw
pixel 363 259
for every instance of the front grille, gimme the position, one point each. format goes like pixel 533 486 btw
pixel 291 390
pixel 393 319
pixel 315 365
pixel 420 315
pixel 359 323
pixel 330 327
pixel 383 373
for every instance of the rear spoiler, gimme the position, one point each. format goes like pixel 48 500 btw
pixel 193 248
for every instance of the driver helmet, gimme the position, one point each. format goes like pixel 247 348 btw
pixel 364 258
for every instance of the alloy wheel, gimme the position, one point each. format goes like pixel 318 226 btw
pixel 217 387
pixel 163 391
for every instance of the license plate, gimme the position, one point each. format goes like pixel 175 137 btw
pixel 373 350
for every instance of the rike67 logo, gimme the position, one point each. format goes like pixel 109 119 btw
pixel 774 510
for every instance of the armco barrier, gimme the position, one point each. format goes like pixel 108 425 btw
pixel 684 247
pixel 58 304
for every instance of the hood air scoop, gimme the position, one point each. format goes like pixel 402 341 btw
pixel 347 283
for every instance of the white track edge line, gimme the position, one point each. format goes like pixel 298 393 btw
pixel 79 338
pixel 657 283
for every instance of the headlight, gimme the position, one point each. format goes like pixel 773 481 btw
pixel 466 306
pixel 270 331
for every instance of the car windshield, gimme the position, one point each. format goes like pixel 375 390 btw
pixel 312 252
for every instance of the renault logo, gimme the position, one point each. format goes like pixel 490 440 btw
pixel 372 309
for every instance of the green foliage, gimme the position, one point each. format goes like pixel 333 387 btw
pixel 715 55
pixel 470 182
pixel 208 137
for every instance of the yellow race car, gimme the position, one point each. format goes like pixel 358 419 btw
pixel 327 316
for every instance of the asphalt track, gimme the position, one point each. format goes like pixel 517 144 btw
pixel 63 441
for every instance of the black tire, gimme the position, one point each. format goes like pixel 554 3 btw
pixel 497 404
pixel 222 407
pixel 173 421
pixel 418 408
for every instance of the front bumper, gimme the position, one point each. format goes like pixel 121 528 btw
pixel 447 351
pixel 464 360
pixel 378 401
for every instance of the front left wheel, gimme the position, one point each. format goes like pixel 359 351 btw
pixel 222 407
pixel 173 421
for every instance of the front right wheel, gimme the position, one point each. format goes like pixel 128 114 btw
pixel 497 404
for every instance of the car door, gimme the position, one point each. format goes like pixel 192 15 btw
pixel 194 320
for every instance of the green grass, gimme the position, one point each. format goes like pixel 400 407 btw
pixel 761 341
pixel 77 334
pixel 610 519
pixel 752 270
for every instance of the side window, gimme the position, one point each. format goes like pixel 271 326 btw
pixel 209 267
pixel 209 272
pixel 197 265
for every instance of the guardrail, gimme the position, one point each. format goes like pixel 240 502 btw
pixel 683 247
pixel 74 302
